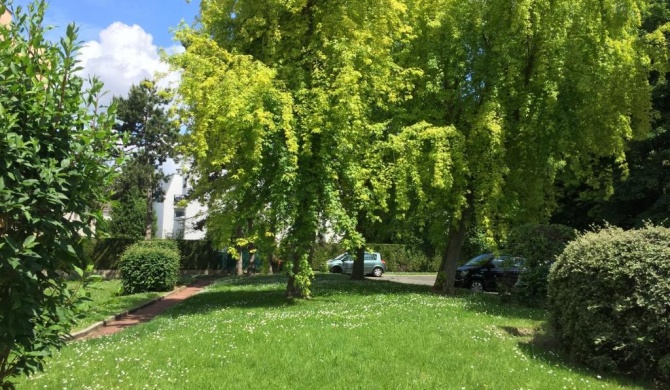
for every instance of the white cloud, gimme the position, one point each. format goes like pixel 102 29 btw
pixel 124 55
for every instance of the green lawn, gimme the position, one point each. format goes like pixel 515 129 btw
pixel 242 334
pixel 106 302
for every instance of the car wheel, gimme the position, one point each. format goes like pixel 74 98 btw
pixel 377 272
pixel 336 270
pixel 477 286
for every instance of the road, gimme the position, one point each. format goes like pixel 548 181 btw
pixel 425 280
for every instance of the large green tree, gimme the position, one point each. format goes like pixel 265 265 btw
pixel 522 91
pixel 143 117
pixel 55 148
pixel 288 100
pixel 641 192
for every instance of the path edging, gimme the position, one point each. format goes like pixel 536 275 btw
pixel 99 324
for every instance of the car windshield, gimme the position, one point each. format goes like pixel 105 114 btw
pixel 479 260
pixel 341 257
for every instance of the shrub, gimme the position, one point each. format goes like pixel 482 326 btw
pixel 609 299
pixel 198 254
pixel 56 149
pixel 149 266
pixel 105 253
pixel 539 245
pixel 399 258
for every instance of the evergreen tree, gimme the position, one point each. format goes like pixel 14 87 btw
pixel 143 118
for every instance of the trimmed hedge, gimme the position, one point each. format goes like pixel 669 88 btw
pixel 609 300
pixel 105 253
pixel 539 245
pixel 198 255
pixel 399 258
pixel 149 266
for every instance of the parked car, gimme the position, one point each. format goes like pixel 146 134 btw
pixel 483 272
pixel 344 263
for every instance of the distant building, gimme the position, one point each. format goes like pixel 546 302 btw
pixel 5 18
pixel 177 217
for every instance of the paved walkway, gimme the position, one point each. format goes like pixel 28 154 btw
pixel 147 313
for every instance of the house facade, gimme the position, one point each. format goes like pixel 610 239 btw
pixel 177 217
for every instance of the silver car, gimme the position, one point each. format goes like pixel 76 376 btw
pixel 344 263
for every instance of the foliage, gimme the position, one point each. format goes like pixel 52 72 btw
pixel 149 266
pixel 128 216
pixel 399 258
pixel 55 147
pixel 512 88
pixel 608 299
pixel 640 191
pixel 104 253
pixel 143 118
pixel 539 245
pixel 198 255
pixel 287 101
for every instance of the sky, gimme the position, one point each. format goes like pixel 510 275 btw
pixel 122 37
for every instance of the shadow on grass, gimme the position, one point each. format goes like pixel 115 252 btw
pixel 490 304
pixel 540 344
pixel 268 291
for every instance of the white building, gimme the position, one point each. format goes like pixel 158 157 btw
pixel 177 218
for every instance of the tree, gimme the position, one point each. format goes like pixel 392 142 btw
pixel 641 191
pixel 143 118
pixel 287 102
pixel 129 206
pixel 55 148
pixel 522 91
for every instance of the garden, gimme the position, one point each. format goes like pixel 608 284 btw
pixel 242 333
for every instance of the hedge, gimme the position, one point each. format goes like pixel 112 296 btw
pixel 105 253
pixel 149 266
pixel 399 258
pixel 609 300
pixel 201 255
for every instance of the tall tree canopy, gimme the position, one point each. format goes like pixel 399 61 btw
pixel 152 135
pixel 530 89
pixel 642 192
pixel 288 100
pixel 452 111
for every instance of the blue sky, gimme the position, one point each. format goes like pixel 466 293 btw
pixel 155 17
pixel 122 38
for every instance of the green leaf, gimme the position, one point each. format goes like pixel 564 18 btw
pixel 29 242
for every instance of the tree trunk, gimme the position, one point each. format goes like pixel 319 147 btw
pixel 447 272
pixel 292 291
pixel 149 219
pixel 358 272
pixel 238 263
pixel 251 268
pixel 270 258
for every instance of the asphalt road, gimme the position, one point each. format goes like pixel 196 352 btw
pixel 424 280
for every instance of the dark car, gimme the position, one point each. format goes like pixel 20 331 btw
pixel 483 272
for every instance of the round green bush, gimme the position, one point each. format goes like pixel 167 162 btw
pixel 148 267
pixel 539 245
pixel 609 300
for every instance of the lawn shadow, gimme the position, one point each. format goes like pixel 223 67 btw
pixel 491 304
pixel 268 291
pixel 540 344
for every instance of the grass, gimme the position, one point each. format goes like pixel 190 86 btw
pixel 107 302
pixel 242 334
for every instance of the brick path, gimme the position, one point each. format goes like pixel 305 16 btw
pixel 147 313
